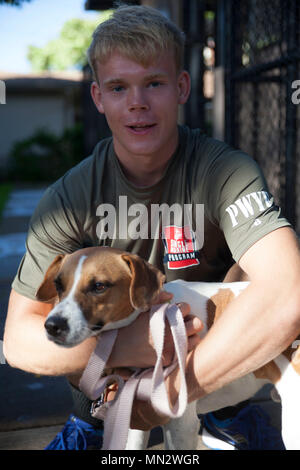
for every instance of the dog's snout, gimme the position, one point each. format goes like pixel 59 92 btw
pixel 56 326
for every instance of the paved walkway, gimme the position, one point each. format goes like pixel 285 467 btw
pixel 27 401
pixel 33 408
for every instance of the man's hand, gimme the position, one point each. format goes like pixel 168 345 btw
pixel 134 345
pixel 143 416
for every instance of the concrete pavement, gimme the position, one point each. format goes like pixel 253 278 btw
pixel 32 408
pixel 27 401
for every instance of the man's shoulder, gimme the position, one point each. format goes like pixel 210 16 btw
pixel 209 156
pixel 204 146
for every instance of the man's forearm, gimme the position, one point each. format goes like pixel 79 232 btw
pixel 34 353
pixel 256 327
pixel 26 345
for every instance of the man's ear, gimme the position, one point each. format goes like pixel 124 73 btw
pixel 184 87
pixel 97 96
pixel 146 281
pixel 47 292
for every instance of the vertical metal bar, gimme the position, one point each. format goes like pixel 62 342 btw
pixel 219 75
pixel 255 126
pixel 193 21
pixel 290 149
pixel 198 26
pixel 185 27
pixel 229 38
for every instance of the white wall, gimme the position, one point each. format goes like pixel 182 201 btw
pixel 23 114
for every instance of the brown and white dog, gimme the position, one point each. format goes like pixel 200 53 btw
pixel 93 287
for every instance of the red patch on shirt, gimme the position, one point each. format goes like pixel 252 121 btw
pixel 179 245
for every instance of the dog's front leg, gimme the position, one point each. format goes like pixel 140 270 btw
pixel 288 388
pixel 137 440
pixel 182 433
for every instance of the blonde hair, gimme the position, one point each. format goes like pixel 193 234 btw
pixel 140 33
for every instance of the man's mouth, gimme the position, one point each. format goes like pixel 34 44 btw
pixel 140 128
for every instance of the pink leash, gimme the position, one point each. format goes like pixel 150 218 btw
pixel 145 384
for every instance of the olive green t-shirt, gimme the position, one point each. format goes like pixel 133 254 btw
pixel 210 206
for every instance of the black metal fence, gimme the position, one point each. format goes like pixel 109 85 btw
pixel 198 23
pixel 262 116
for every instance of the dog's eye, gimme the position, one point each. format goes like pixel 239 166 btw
pixel 99 287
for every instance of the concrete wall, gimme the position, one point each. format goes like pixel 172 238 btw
pixel 30 107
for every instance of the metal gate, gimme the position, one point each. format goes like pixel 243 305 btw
pixel 262 73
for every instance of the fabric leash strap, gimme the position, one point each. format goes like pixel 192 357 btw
pixel 159 396
pixel 146 384
pixel 89 383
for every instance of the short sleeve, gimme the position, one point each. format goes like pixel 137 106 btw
pixel 241 203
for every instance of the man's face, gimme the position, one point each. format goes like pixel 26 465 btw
pixel 141 104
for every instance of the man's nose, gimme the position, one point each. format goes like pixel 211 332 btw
pixel 137 100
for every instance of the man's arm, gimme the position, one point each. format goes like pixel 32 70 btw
pixel 26 345
pixel 258 325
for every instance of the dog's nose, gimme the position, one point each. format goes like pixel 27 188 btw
pixel 56 325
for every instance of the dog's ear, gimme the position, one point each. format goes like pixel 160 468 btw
pixel 146 281
pixel 47 292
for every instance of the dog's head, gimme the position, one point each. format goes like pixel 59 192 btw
pixel 93 287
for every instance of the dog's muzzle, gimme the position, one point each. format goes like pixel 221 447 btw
pixel 57 327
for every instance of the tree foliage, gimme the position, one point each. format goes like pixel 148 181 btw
pixel 14 3
pixel 69 49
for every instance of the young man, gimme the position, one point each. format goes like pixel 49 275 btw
pixel 139 83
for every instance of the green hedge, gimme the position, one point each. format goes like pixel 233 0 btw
pixel 5 190
pixel 45 156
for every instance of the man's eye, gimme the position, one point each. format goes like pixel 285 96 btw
pixel 155 84
pixel 118 89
